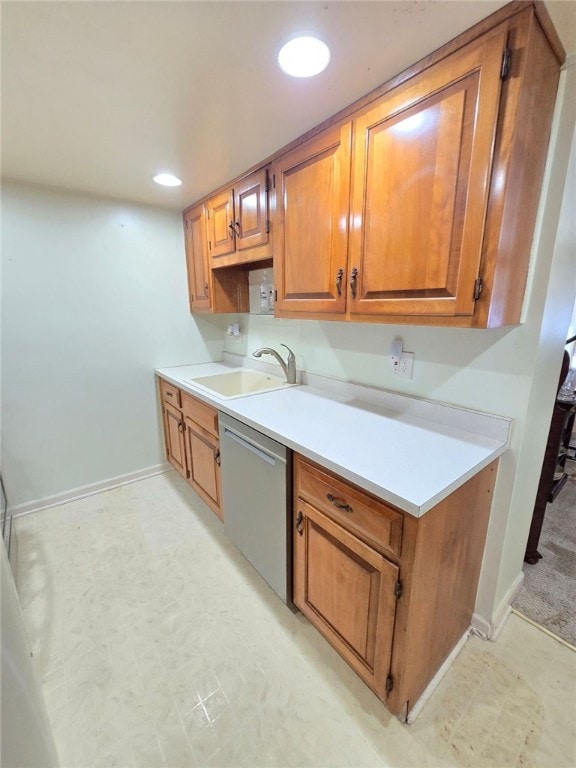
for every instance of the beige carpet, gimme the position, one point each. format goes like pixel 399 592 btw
pixel 547 595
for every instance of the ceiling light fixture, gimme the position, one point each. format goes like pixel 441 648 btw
pixel 167 180
pixel 304 55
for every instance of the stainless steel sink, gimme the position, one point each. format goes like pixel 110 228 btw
pixel 239 383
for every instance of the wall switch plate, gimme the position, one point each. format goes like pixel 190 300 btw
pixel 404 368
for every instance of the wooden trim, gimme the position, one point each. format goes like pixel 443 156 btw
pixel 549 30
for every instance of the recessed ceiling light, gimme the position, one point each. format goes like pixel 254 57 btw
pixel 304 55
pixel 167 180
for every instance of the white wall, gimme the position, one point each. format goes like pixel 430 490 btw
pixel 93 298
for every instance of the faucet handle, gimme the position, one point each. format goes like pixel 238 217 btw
pixel 291 355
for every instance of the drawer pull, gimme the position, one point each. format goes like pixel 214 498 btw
pixel 338 503
pixel 169 394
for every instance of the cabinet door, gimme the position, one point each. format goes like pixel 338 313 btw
pixel 204 460
pixel 220 219
pixel 346 589
pixel 312 184
pixel 197 259
pixel 251 210
pixel 174 438
pixel 422 163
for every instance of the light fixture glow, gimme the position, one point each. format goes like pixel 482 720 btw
pixel 304 56
pixel 167 180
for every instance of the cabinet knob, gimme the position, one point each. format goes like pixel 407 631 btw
pixel 353 281
pixel 339 276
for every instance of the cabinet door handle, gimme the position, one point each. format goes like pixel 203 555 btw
pixel 339 276
pixel 231 230
pixel 179 426
pixel 206 287
pixel 353 281
pixel 236 226
pixel 338 503
pixel 300 523
pixel 217 458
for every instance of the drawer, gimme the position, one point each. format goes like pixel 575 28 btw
pixel 201 413
pixel 170 394
pixel 362 514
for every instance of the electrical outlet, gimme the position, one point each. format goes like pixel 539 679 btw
pixel 404 368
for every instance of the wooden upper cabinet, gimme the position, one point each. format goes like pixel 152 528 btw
pixel 312 187
pixel 417 203
pixel 197 260
pixel 220 224
pixel 210 290
pixel 251 222
pixel 237 222
pixel 422 163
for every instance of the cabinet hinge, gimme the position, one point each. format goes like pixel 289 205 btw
pixel 398 589
pixel 478 286
pixel 506 58
pixel 389 683
pixel 267 226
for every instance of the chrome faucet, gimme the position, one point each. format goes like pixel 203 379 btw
pixel 289 367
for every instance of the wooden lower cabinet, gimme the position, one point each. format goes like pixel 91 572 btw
pixel 203 450
pixel 174 437
pixel 192 442
pixel 346 589
pixel 392 593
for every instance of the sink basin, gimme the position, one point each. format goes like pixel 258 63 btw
pixel 239 383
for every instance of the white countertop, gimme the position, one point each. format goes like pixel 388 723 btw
pixel 411 453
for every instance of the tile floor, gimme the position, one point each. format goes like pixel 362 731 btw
pixel 159 645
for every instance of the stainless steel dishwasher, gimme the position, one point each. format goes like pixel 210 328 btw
pixel 256 485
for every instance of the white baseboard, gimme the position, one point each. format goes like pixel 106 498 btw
pixel 88 490
pixel 490 630
pixel 480 626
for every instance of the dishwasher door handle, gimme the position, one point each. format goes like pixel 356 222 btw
pixel 249 446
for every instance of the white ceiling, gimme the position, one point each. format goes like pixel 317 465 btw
pixel 99 96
